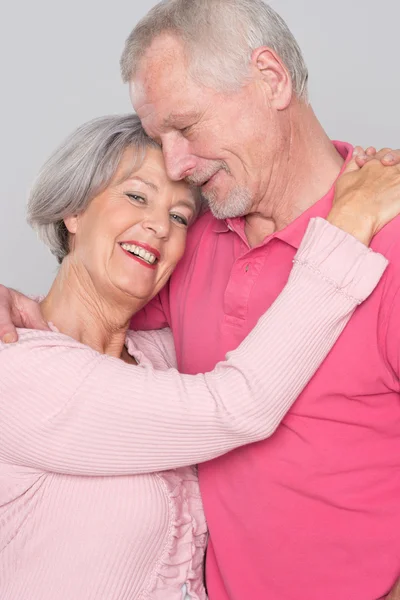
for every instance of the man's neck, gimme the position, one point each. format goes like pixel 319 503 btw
pixel 303 174
pixel 77 310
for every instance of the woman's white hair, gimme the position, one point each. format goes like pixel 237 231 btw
pixel 219 37
pixel 80 169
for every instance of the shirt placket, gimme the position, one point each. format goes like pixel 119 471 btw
pixel 244 274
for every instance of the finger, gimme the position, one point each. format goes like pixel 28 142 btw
pixel 381 153
pixel 29 312
pixel 360 156
pixel 387 156
pixel 34 320
pixel 8 332
pixel 391 158
pixel 370 151
pixel 371 154
pixel 352 165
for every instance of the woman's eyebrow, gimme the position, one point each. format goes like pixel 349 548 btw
pixel 137 178
pixel 185 202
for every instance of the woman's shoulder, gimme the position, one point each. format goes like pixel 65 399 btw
pixel 51 350
pixel 47 365
pixel 37 352
pixel 35 338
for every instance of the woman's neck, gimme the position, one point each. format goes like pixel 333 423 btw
pixel 76 309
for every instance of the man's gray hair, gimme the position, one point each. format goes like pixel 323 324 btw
pixel 80 169
pixel 219 37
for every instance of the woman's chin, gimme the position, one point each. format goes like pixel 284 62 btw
pixel 138 283
pixel 141 293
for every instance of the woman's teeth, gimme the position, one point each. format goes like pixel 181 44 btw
pixel 141 252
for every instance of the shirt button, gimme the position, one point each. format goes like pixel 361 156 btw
pixel 247 267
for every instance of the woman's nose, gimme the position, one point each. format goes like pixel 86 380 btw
pixel 158 225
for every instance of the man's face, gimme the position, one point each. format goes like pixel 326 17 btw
pixel 224 142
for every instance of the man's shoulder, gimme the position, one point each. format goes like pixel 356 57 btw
pixel 388 241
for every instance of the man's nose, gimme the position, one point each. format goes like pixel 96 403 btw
pixel 179 163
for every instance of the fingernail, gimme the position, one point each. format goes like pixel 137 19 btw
pixel 360 154
pixel 356 151
pixel 8 338
pixel 388 157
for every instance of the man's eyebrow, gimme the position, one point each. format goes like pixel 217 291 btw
pixel 149 183
pixel 180 118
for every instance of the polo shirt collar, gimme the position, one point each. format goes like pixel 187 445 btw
pixel 294 232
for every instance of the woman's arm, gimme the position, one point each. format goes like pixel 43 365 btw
pixel 68 409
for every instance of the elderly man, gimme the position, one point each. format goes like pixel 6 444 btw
pixel 313 512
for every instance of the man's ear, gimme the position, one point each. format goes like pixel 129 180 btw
pixel 273 72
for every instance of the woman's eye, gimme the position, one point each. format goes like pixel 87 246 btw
pixel 136 198
pixel 179 219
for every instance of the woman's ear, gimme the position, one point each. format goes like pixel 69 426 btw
pixel 71 223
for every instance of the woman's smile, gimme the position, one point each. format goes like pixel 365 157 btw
pixel 142 253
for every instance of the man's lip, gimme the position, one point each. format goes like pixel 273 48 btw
pixel 205 184
pixel 144 246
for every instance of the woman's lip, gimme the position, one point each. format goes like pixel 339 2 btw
pixel 144 246
pixel 138 259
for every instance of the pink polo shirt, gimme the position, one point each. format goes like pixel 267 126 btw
pixel 313 512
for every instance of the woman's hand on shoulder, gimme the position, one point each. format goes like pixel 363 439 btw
pixel 367 194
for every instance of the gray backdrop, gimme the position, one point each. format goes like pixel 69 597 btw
pixel 59 68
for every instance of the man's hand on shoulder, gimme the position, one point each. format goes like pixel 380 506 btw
pixel 17 310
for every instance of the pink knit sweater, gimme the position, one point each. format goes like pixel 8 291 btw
pixel 88 507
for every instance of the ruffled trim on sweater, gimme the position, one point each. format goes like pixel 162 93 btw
pixel 181 560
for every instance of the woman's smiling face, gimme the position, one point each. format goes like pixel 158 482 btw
pixel 133 234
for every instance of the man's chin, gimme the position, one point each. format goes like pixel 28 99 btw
pixel 235 205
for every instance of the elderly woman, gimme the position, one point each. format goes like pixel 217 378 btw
pixel 97 427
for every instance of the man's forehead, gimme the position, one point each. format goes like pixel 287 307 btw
pixel 165 99
pixel 151 84
pixel 162 91
pixel 156 104
pixel 164 58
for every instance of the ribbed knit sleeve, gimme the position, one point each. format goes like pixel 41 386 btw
pixel 68 409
